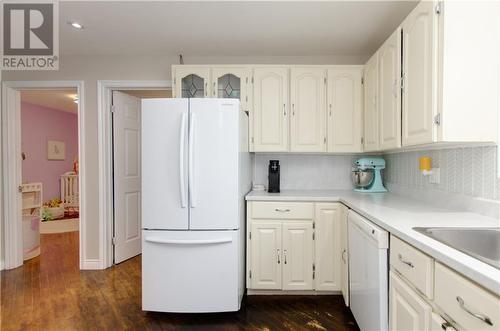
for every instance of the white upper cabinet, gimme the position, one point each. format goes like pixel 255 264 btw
pixel 344 91
pixel 371 141
pixel 419 74
pixel 191 82
pixel 308 102
pixel 389 92
pixel 297 257
pixel 269 117
pixel 232 82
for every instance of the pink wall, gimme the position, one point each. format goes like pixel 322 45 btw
pixel 40 124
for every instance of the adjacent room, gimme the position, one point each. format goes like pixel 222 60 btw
pixel 250 165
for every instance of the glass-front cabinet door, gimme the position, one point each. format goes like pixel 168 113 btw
pixel 232 83
pixel 192 82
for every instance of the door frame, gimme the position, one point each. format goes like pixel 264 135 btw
pixel 105 89
pixel 10 134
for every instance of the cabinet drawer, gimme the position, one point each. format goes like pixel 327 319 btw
pixel 414 265
pixel 471 306
pixel 282 210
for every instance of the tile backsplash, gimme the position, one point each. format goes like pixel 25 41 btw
pixel 466 171
pixel 307 171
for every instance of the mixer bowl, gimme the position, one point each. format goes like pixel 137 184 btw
pixel 362 178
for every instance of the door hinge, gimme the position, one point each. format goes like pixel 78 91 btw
pixel 437 119
pixel 439 7
pixel 314 271
pixel 314 236
pixel 246 80
pixel 324 140
pixel 252 140
pixel 324 79
pixel 113 241
pixel 362 81
pixel 362 140
pixel 112 109
pixel 314 225
pixel 246 98
pixel 249 235
pixel 252 79
pixel 402 83
pixel 20 189
pixel 249 273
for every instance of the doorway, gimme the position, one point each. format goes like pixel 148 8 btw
pixel 43 137
pixel 50 172
pixel 126 142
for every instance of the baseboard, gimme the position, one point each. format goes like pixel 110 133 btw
pixel 60 226
pixel 91 264
pixel 300 292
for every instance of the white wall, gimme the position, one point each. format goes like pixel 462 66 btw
pixel 90 69
pixel 307 171
pixel 468 178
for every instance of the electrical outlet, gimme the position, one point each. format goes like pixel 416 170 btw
pixel 435 176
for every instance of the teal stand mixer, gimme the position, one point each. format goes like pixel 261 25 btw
pixel 366 175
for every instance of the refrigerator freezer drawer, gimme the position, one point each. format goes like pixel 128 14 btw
pixel 190 271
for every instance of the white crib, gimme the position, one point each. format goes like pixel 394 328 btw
pixel 70 190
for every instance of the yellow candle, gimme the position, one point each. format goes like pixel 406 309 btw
pixel 425 163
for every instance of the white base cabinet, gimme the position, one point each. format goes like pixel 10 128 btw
pixel 266 255
pixel 426 295
pixel 327 246
pixel 344 255
pixel 297 252
pixel 407 311
pixel 294 246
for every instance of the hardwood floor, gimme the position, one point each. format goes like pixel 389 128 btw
pixel 50 293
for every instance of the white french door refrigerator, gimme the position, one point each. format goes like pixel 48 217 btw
pixel 195 174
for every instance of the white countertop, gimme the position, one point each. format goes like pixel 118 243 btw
pixel 399 215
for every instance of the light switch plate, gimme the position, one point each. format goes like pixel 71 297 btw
pixel 435 176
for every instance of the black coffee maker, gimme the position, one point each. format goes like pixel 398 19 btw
pixel 274 176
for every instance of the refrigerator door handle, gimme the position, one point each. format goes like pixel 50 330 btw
pixel 182 144
pixel 188 242
pixel 192 193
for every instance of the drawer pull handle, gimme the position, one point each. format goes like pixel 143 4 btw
pixel 282 210
pixel 481 317
pixel 343 258
pixel 408 263
pixel 446 326
pixel 279 256
pixel 284 254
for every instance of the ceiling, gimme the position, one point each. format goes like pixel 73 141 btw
pixel 56 99
pixel 236 28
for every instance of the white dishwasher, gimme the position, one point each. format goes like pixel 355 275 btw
pixel 368 273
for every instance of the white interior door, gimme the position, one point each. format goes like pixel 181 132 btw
pixel 127 175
